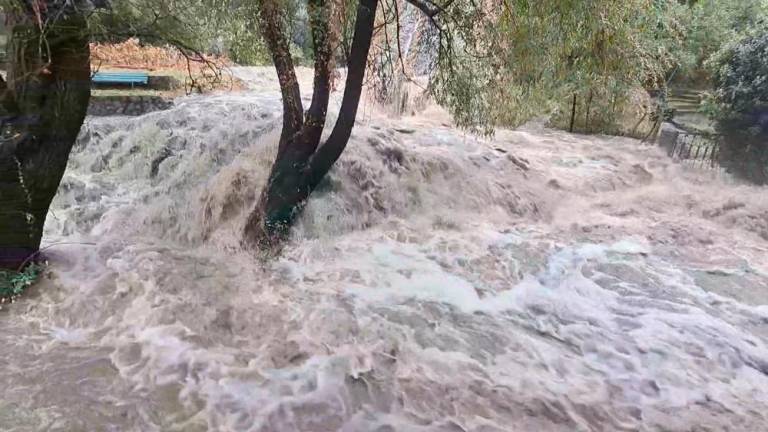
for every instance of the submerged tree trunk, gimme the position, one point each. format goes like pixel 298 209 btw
pixel 301 161
pixel 42 107
pixel 573 114
pixel 589 106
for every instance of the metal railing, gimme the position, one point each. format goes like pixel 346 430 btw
pixel 698 149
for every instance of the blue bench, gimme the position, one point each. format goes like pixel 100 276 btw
pixel 121 78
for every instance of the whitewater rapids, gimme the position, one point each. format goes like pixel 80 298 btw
pixel 532 281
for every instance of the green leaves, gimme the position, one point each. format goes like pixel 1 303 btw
pixel 740 103
pixel 193 26
pixel 505 61
pixel 740 75
pixel 709 25
pixel 13 284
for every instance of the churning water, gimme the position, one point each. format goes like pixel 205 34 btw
pixel 534 281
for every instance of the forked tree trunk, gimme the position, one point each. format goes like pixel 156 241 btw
pixel 301 161
pixel 42 107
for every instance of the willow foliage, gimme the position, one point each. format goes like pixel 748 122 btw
pixel 712 24
pixel 194 26
pixel 509 60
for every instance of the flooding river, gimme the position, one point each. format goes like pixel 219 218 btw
pixel 532 281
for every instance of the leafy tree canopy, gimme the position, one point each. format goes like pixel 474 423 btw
pixel 505 61
pixel 711 24
pixel 740 103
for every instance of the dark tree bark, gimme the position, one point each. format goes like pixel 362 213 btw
pixel 42 107
pixel 301 161
pixel 573 113
pixel 270 18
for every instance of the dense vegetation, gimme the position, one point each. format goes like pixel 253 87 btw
pixel 740 75
pixel 708 26
pixel 193 26
pixel 724 52
pixel 14 283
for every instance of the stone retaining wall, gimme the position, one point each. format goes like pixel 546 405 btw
pixel 127 105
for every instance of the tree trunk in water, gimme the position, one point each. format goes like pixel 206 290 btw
pixel 586 119
pixel 42 107
pixel 573 113
pixel 301 163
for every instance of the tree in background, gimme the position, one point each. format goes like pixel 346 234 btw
pixel 619 60
pixel 611 64
pixel 536 56
pixel 710 25
pixel 740 105
pixel 194 26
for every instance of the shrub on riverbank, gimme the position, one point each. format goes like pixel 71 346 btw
pixel 739 105
pixel 13 283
